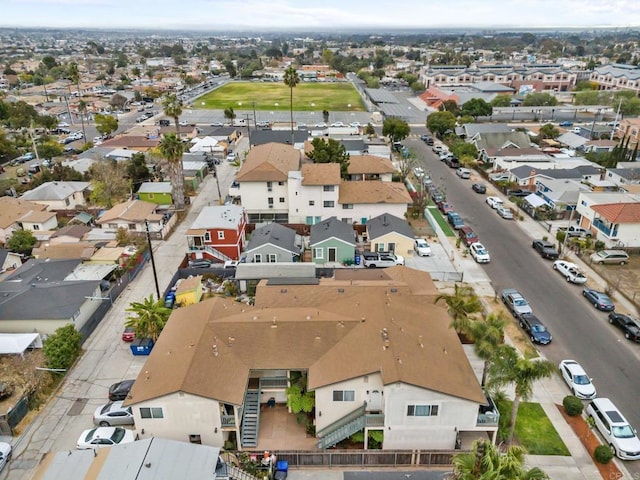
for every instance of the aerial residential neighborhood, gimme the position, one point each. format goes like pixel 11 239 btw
pixel 312 255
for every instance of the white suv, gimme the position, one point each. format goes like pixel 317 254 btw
pixel 614 428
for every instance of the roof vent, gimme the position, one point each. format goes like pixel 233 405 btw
pixel 385 334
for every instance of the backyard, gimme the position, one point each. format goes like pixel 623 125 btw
pixel 275 96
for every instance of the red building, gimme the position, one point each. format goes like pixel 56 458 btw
pixel 218 234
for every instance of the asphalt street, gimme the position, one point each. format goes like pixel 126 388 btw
pixel 579 330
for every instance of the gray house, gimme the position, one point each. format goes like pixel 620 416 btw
pixel 332 241
pixel 272 243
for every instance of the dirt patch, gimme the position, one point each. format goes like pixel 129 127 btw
pixel 512 330
pixel 421 227
pixel 590 441
pixel 19 374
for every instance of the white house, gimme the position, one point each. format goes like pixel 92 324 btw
pixel 17 213
pixel 59 195
pixel 613 217
pixel 376 350
pixel 132 215
pixel 314 193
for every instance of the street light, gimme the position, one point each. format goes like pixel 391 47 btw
pixel 153 262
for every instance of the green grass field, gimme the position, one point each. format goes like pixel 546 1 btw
pixel 334 97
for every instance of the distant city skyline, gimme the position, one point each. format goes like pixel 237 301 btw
pixel 325 15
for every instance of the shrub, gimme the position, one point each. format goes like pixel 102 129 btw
pixel 572 405
pixel 603 454
pixel 62 347
pixel 599 245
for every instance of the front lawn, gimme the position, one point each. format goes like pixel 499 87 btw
pixel 337 97
pixel 534 431
pixel 444 225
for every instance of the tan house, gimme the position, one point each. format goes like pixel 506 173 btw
pixel 140 143
pixel 629 128
pixel 13 211
pixel 374 198
pixel 388 233
pixel 132 215
pixel 374 347
pixel 370 167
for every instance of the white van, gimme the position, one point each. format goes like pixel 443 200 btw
pixel 614 428
pixel 463 172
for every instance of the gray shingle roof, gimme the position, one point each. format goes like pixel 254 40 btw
pixel 332 227
pixel 54 191
pixel 260 137
pixel 387 223
pixel 273 234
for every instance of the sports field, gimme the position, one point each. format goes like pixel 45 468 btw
pixel 337 97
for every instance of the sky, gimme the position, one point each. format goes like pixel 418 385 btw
pixel 318 15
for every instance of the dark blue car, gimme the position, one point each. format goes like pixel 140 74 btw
pixel 536 330
pixel 600 300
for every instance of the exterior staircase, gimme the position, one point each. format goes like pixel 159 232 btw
pixel 250 418
pixel 343 428
pixel 212 252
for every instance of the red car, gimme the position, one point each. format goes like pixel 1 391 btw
pixel 467 236
pixel 445 207
pixel 129 334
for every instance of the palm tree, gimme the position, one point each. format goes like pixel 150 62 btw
pixel 291 80
pixel 73 74
pixel 485 462
pixel 172 149
pixel 229 114
pixel 82 108
pixel 172 107
pixel 149 317
pixel 509 368
pixel 463 303
pixel 487 336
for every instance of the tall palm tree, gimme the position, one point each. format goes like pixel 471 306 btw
pixel 229 114
pixel 509 368
pixel 172 107
pixel 148 317
pixel 73 74
pixel 82 108
pixel 462 303
pixel 172 149
pixel 291 80
pixel 485 462
pixel 487 336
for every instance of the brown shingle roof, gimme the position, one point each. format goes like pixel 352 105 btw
pixel 332 329
pixel 270 162
pixel 37 216
pixel 12 209
pixel 619 212
pixel 321 174
pixel 131 141
pixel 83 250
pixel 373 192
pixel 131 211
pixel 369 164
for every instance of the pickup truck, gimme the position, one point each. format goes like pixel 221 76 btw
pixel 574 231
pixel 381 259
pixel 515 302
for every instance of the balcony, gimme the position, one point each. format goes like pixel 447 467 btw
pixel 605 228
pixel 488 415
pixel 228 421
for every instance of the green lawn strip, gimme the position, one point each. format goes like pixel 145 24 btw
pixel 339 97
pixel 534 431
pixel 444 225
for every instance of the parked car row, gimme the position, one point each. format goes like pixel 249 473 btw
pixel 523 313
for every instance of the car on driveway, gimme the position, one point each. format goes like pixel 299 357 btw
pixel 545 249
pixel 619 257
pixel 570 271
pixel 120 390
pixel 113 413
pixel 479 188
pixel 536 330
pixel 519 193
pixel 421 247
pixel 104 437
pixel 505 213
pixel 515 302
pixel 600 300
pixel 629 325
pixel 479 253
pixel 577 379
pixel 494 202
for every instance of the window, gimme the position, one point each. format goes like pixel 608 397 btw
pixel 344 395
pixel 257 258
pixel 328 204
pixel 207 237
pixel 36 227
pixel 269 186
pixel 318 253
pixel 281 183
pixel 312 203
pixel 113 226
pixel 270 200
pixel 422 410
pixel 272 258
pixel 347 206
pixel 281 199
pixel 66 202
pixel 152 412
pixel 328 188
pixel 150 196
pixel 132 226
pixel 220 234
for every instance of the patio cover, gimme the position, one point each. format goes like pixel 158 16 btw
pixel 535 200
pixel 12 343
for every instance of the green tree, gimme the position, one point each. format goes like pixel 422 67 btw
pixel 61 348
pixel 548 130
pixel 21 241
pixel 330 151
pixel 148 317
pixel 477 107
pixel 441 122
pixel 106 124
pixel 487 336
pixel 50 149
pixel 501 101
pixel 137 170
pixel 109 183
pixel 485 462
pixel 396 129
pixel 450 106
pixel 229 114
pixel 172 149
pixel 461 304
pixel 509 368
pixel 172 107
pixel 299 399
pixel 460 149
pixel 541 99
pixel 291 80
pixel 592 97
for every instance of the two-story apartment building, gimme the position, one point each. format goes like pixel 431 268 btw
pixel 617 77
pixel 218 233
pixel 613 217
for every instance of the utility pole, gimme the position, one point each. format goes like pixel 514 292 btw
pixel 215 174
pixel 247 116
pixel 153 262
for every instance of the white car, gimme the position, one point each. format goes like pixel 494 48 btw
pixel 579 382
pixel 614 428
pixel 337 124
pixel 418 171
pixel 570 271
pixel 479 253
pixel 113 413
pixel 505 213
pixel 421 247
pixel 104 437
pixel 494 202
pixel 321 125
pixel 5 454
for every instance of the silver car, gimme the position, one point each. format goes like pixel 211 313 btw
pixel 610 256
pixel 113 413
